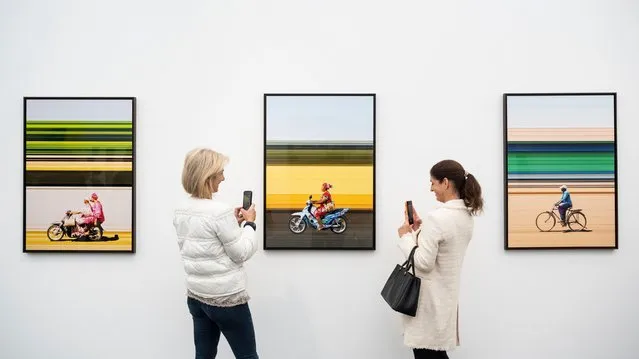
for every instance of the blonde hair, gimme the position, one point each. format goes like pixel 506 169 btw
pixel 201 165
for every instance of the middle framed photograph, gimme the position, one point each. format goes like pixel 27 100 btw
pixel 319 171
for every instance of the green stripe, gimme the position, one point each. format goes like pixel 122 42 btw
pixel 79 126
pixel 40 145
pixel 97 138
pixel 123 133
pixel 79 152
pixel 98 122
pixel 319 156
pixel 560 162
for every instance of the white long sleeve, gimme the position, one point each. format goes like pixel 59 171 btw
pixel 239 243
pixel 427 237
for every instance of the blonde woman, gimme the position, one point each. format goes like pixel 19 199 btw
pixel 215 240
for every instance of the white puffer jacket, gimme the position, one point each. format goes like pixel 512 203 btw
pixel 213 247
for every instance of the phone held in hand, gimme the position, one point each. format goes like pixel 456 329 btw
pixel 409 211
pixel 247 199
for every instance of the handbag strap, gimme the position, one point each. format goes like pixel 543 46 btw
pixel 409 259
pixel 410 262
pixel 412 259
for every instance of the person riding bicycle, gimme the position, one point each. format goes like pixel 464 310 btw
pixel 326 205
pixel 563 204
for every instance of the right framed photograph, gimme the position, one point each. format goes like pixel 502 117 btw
pixel 560 170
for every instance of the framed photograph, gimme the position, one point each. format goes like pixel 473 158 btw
pixel 79 183
pixel 560 160
pixel 319 171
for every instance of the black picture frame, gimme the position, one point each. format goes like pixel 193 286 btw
pixel 361 222
pixel 64 161
pixel 537 160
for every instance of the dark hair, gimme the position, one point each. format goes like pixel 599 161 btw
pixel 465 183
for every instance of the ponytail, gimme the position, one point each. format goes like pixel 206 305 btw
pixel 471 193
pixel 465 183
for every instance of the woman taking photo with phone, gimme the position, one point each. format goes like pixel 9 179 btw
pixel 215 240
pixel 442 237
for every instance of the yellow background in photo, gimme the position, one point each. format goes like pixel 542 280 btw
pixel 289 186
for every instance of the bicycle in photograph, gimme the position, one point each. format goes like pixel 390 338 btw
pixel 575 219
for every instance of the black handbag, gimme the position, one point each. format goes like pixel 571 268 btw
pixel 401 290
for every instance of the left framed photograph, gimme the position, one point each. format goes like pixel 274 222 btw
pixel 79 174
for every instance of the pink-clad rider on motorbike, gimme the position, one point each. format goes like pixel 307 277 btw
pixel 87 216
pixel 96 206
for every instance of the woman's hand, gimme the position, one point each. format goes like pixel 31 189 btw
pixel 406 227
pixel 403 229
pixel 248 215
pixel 238 215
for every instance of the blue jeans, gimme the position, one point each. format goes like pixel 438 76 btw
pixel 235 323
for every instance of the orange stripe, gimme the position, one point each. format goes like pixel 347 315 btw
pixel 561 134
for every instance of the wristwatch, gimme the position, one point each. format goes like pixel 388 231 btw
pixel 251 224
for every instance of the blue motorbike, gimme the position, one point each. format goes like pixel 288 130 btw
pixel 334 220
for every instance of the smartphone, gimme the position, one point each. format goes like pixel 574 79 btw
pixel 409 211
pixel 247 199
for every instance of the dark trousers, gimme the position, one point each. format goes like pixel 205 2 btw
pixel 235 323
pixel 429 354
pixel 562 211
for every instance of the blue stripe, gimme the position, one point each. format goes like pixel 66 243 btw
pixel 562 172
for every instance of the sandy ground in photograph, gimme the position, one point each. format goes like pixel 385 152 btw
pixel 523 209
pixel 38 240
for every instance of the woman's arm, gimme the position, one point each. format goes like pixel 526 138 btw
pixel 428 239
pixel 239 243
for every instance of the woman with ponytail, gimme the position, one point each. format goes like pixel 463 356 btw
pixel 441 237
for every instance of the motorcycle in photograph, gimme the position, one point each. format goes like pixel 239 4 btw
pixel 57 230
pixel 335 220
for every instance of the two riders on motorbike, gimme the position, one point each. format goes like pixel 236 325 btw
pixel 326 205
pixel 92 216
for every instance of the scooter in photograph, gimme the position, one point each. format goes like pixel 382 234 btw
pixel 66 226
pixel 334 220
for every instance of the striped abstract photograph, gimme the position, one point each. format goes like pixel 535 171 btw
pixel 78 150
pixel 560 146
pixel 312 140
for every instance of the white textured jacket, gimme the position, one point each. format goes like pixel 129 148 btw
pixel 213 247
pixel 443 238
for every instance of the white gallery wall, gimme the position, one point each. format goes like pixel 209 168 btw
pixel 199 70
